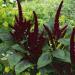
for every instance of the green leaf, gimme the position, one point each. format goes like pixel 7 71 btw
pixel 13 59
pixel 63 55
pixel 51 24
pixel 59 54
pixel 44 60
pixel 18 48
pixel 69 31
pixel 5 35
pixel 5 46
pixel 23 65
pixel 64 41
pixel 46 48
pixel 67 57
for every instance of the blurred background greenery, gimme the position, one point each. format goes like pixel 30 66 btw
pixel 45 10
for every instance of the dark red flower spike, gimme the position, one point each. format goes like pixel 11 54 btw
pixel 34 35
pixel 21 26
pixel 35 32
pixel 36 50
pixel 36 23
pixel 35 40
pixel 56 24
pixel 57 31
pixel 72 46
pixel 20 11
pixel 40 43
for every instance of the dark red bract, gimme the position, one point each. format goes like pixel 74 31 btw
pixel 72 47
pixel 21 26
pixel 57 31
pixel 35 40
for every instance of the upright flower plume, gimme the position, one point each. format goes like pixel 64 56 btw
pixel 21 26
pixel 72 46
pixel 20 11
pixel 35 41
pixel 57 31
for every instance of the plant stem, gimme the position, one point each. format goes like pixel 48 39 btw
pixel 14 72
pixel 35 69
pixel 34 72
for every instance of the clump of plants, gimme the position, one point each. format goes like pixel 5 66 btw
pixel 35 52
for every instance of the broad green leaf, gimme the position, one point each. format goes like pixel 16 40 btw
pixel 5 35
pixel 13 59
pixel 63 55
pixel 21 66
pixel 44 60
pixel 64 41
pixel 51 24
pixel 46 48
pixel 69 31
pixel 18 48
pixel 4 30
pixel 67 57
pixel 59 54
pixel 5 46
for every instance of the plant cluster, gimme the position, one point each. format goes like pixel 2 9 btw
pixel 27 49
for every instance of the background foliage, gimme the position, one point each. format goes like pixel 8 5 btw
pixel 44 8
